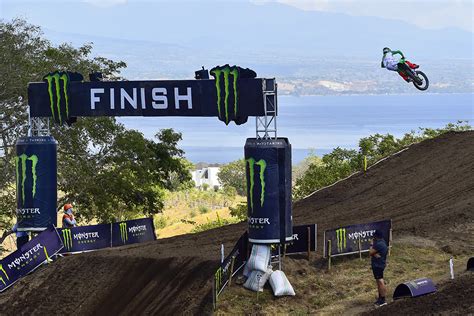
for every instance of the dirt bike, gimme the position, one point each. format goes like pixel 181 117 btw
pixel 419 79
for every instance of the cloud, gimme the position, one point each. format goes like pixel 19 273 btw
pixel 429 14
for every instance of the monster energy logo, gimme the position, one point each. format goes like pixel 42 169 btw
pixel 218 279
pixel 223 74
pixel 123 232
pixel 20 181
pixel 58 84
pixel 263 165
pixel 67 237
pixel 341 239
pixel 4 274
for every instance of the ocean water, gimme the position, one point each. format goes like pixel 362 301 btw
pixel 315 123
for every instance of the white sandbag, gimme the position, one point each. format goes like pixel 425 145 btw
pixel 257 280
pixel 246 272
pixel 280 284
pixel 259 258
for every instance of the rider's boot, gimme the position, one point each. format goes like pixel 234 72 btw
pixel 412 65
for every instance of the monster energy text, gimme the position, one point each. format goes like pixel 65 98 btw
pixel 263 165
pixel 341 239
pixel 223 74
pixel 21 163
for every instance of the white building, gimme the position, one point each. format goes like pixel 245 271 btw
pixel 206 176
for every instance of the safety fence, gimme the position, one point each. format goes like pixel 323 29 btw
pixel 354 239
pixel 56 241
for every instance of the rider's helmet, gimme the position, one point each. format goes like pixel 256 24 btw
pixel 67 207
pixel 386 50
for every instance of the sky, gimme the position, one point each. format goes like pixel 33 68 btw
pixel 429 14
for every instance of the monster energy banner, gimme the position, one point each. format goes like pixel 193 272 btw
pixel 233 95
pixel 345 240
pixel 133 231
pixel 29 257
pixel 231 264
pixel 303 236
pixel 36 187
pixel 85 238
pixel 268 170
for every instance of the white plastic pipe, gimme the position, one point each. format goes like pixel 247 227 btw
pixel 222 253
pixel 451 268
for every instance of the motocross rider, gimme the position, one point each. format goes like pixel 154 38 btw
pixel 393 63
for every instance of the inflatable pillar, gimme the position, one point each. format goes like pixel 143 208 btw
pixel 268 171
pixel 36 185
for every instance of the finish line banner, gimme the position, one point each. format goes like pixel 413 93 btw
pixel 233 95
pixel 345 240
pixel 29 257
pixel 85 238
pixel 132 232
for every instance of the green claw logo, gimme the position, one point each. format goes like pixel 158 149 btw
pixel 5 274
pixel 58 91
pixel 263 165
pixel 123 232
pixel 341 239
pixel 222 74
pixel 20 180
pixel 67 238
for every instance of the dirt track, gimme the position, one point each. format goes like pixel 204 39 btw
pixel 427 190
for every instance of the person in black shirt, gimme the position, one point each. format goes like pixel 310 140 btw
pixel 378 252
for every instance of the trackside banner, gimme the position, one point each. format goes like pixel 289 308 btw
pixel 29 257
pixel 345 240
pixel 132 232
pixel 237 256
pixel 85 238
pixel 300 240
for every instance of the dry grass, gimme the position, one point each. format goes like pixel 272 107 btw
pixel 348 288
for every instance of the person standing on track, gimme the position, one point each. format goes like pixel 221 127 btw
pixel 378 253
pixel 68 217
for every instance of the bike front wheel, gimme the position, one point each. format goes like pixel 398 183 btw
pixel 421 82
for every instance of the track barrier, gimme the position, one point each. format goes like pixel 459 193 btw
pixel 354 239
pixel 470 264
pixel 56 241
pixel 414 288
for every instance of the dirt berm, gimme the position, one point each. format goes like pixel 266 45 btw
pixel 427 190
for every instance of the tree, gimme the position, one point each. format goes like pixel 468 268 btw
pixel 233 175
pixel 107 171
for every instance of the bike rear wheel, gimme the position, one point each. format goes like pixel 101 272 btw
pixel 421 82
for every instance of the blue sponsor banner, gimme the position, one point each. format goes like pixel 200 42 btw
pixel 304 236
pixel 85 238
pixel 29 257
pixel 132 232
pixel 345 240
pixel 231 264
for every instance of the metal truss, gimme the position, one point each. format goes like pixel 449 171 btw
pixel 266 126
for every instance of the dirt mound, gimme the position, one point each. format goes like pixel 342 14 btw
pixel 452 298
pixel 428 190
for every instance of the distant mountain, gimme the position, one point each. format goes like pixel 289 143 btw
pixel 233 29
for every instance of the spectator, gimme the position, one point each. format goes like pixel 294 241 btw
pixel 378 252
pixel 68 217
